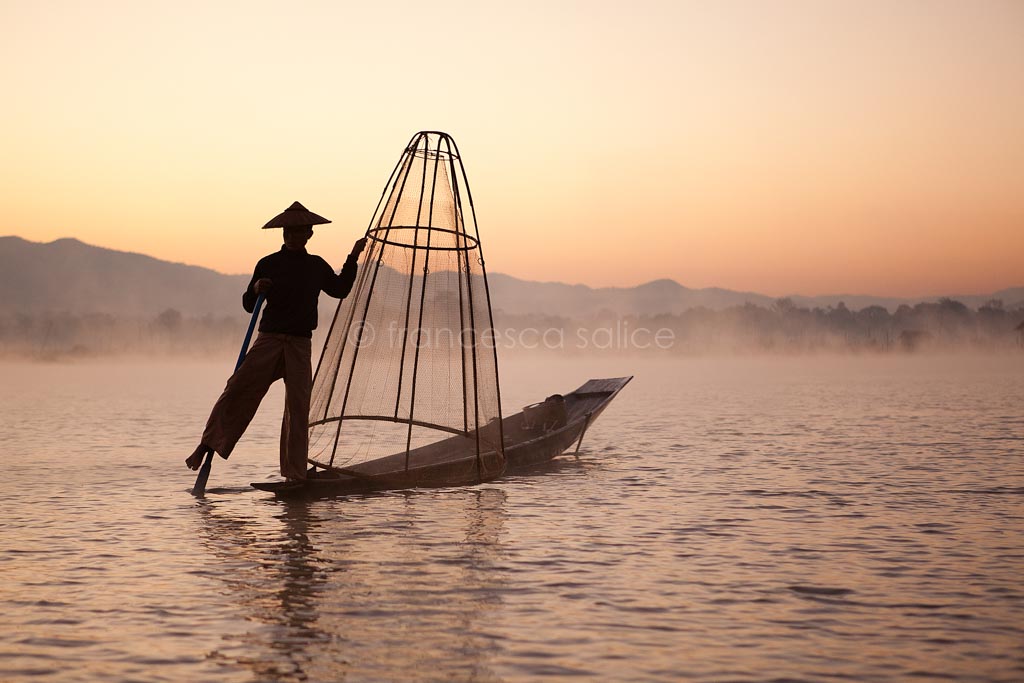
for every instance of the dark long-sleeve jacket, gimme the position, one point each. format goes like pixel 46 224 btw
pixel 298 278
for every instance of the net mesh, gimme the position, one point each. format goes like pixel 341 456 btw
pixel 408 377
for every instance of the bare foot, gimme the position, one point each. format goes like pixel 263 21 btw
pixel 195 460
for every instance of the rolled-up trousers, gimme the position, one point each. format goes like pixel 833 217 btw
pixel 272 357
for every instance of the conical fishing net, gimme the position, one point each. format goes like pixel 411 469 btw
pixel 408 378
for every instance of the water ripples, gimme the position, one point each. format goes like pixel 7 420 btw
pixel 783 519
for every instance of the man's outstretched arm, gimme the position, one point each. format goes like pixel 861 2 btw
pixel 340 285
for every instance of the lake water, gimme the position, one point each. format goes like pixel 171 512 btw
pixel 727 520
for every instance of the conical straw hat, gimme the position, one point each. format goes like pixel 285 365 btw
pixel 295 216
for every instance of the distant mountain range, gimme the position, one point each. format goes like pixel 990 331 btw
pixel 69 275
pixel 668 296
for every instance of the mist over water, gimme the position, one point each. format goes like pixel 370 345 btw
pixel 782 327
pixel 753 518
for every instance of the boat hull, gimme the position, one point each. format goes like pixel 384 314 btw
pixel 526 445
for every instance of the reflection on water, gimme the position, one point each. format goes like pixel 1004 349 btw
pixel 392 597
pixel 738 519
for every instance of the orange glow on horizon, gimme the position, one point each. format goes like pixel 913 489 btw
pixel 782 148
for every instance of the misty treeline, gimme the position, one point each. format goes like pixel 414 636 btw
pixel 52 336
pixel 783 327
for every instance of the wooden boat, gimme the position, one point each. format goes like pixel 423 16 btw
pixel 535 435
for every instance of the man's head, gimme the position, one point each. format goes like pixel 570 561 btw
pixel 295 237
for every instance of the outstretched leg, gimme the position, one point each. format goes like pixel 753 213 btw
pixel 263 364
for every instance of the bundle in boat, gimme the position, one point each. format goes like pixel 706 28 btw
pixel 407 389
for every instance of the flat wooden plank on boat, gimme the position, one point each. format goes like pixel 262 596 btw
pixel 278 486
pixel 317 488
pixel 603 386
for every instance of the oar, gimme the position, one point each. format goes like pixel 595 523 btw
pixel 204 472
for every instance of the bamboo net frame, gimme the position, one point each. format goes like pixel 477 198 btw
pixel 409 371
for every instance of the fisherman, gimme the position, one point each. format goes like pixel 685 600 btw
pixel 291 281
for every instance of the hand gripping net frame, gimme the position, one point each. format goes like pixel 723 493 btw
pixel 408 379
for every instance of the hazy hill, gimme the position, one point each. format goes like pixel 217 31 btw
pixel 68 275
pixel 516 296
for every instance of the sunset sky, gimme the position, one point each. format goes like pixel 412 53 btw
pixel 813 147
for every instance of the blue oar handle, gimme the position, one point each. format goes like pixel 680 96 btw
pixel 204 471
pixel 248 333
